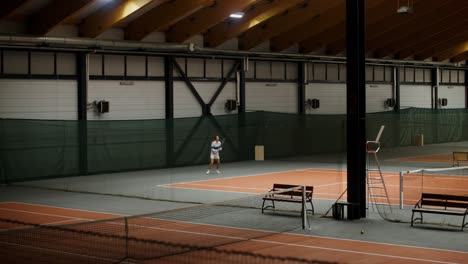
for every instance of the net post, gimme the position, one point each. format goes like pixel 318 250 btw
pixel 305 222
pixel 401 190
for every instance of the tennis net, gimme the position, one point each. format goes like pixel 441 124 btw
pixel 452 180
pixel 224 232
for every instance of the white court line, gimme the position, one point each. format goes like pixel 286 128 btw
pixel 67 253
pixel 234 177
pixel 241 239
pixel 325 237
pixel 59 207
pixel 29 212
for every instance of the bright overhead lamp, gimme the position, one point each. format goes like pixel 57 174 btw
pixel 237 15
pixel 405 9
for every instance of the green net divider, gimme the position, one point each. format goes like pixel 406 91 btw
pixel 37 149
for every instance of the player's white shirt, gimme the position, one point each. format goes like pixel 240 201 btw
pixel 215 148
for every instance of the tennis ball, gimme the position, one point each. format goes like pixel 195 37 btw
pixel 362 231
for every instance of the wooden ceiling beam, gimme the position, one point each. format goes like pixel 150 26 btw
pixel 9 6
pixel 311 27
pixel 412 35
pixel 284 22
pixel 427 42
pixel 255 15
pixel 53 14
pixel 162 17
pixel 376 10
pixel 451 52
pixel 460 57
pixel 414 21
pixel 204 19
pixel 109 15
pixel 395 20
pixel 443 45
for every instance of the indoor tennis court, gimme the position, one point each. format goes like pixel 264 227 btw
pixel 221 131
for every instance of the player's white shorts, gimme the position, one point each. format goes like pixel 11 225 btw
pixel 214 155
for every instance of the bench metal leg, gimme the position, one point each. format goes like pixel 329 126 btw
pixel 463 223
pixel 312 206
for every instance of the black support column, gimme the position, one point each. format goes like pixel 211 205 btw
pixel 301 78
pixel 242 67
pixel 356 107
pixel 435 88
pixel 466 87
pixel 169 91
pixel 243 152
pixel 396 82
pixel 82 83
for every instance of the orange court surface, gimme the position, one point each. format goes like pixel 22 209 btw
pixel 276 244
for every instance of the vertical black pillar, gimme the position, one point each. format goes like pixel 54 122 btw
pixel 301 78
pixel 169 91
pixel 242 67
pixel 466 87
pixel 396 82
pixel 435 88
pixel 356 107
pixel 82 83
pixel 243 146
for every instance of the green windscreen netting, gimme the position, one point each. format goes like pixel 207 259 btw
pixel 35 149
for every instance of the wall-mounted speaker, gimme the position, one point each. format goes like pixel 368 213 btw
pixel 390 102
pixel 230 105
pixel 102 106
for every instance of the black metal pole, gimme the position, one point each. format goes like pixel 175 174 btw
pixel 241 98
pixel 397 89
pixel 82 83
pixel 466 86
pixel 301 78
pixel 169 91
pixel 435 88
pixel 356 107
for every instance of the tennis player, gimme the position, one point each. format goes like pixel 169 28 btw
pixel 216 147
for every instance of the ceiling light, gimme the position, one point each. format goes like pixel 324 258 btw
pixel 404 9
pixel 237 15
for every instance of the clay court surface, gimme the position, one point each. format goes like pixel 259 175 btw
pixel 438 158
pixel 294 245
pixel 330 184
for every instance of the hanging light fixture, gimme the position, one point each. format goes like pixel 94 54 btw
pixel 405 9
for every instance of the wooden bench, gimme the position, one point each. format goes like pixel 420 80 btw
pixel 458 156
pixel 441 204
pixel 294 196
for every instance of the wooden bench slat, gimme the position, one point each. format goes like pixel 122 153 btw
pixel 441 204
pixel 444 196
pixel 444 204
pixel 435 211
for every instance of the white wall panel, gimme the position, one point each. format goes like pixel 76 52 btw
pixel 185 104
pixel 38 99
pixel 376 94
pixel 213 68
pixel 114 65
pixel 415 96
pixel 66 64
pixel 42 63
pixel 291 71
pixel 455 95
pixel 332 97
pixel 136 66
pixel 15 62
pixel 142 100
pixel 275 97
pixel 155 66
pixel 95 64
pixel 195 67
